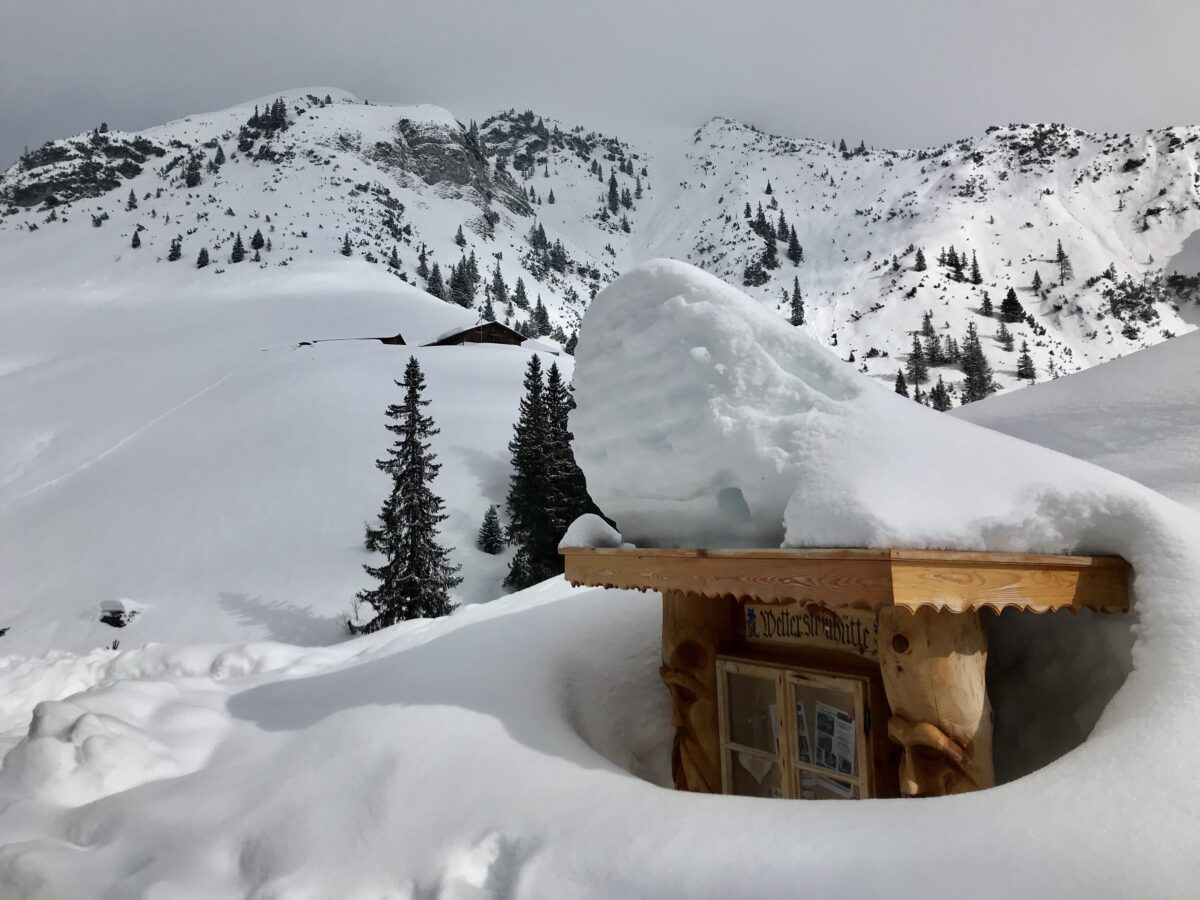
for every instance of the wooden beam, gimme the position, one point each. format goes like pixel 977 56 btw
pixel 958 581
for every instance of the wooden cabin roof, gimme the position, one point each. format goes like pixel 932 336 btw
pixel 459 335
pixel 865 579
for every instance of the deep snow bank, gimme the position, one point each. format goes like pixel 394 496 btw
pixel 705 420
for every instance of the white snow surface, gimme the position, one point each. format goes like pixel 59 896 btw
pixel 520 748
pixel 705 420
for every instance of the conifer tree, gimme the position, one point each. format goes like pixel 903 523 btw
pixel 176 250
pixel 519 297
pixel 795 253
pixel 975 366
pixel 488 313
pixel 985 306
pixel 239 250
pixel 1037 281
pixel 1011 309
pixel 540 319
pixel 219 157
pixel 919 265
pixel 257 241
pixel 1065 271
pixel 347 250
pixel 572 343
pixel 769 190
pixel 491 535
pixel 499 288
pixel 528 516
pixel 460 238
pixel 202 259
pixel 770 256
pixel 614 200
pixel 976 275
pixel 917 370
pixel 550 197
pixel 416 576
pixel 797 301
pixel 423 265
pixel 1004 336
pixel 901 384
pixel 394 259
pixel 131 203
pixel 434 284
pixel 1026 371
pixel 746 213
pixel 939 396
pixel 137 241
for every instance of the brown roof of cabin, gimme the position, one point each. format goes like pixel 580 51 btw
pixel 480 333
pixel 866 579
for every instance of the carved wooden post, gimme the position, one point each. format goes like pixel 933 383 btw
pixel 693 630
pixel 933 666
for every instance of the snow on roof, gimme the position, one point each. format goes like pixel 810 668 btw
pixel 704 419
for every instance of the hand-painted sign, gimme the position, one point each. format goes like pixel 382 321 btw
pixel 844 629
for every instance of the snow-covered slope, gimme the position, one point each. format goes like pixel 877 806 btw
pixel 1139 416
pixel 402 178
pixel 175 442
pixel 519 748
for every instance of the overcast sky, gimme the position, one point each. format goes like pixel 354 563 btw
pixel 893 73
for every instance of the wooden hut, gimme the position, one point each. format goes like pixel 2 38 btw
pixel 838 673
pixel 479 333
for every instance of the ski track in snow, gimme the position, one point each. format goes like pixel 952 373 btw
pixel 133 435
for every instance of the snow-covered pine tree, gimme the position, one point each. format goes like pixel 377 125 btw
pixel 540 318
pixel 917 370
pixel 519 297
pixel 347 250
pixel 131 203
pixel 137 241
pixel 499 288
pixel 528 517
pixel 176 250
pixel 239 250
pixel 202 258
pixel 1011 309
pixel 1026 371
pixel 975 366
pixel 919 265
pixel 1004 336
pixel 416 576
pixel 795 253
pixel 1037 281
pixel 901 384
pixel 433 283
pixel 985 305
pixel 257 241
pixel 976 275
pixel 614 199
pixel 491 535
pixel 939 396
pixel 460 238
pixel 797 301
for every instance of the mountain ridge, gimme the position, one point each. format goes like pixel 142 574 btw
pixel 394 184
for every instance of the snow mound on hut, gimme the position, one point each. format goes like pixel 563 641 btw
pixel 704 419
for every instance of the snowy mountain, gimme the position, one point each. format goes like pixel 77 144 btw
pixel 318 174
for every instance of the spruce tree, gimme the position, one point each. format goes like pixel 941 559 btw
pixel 423 266
pixel 1011 309
pixel 460 238
pixel 939 396
pixel 525 504
pixel 519 297
pixel 1026 371
pixel 976 275
pixel 137 241
pixel 986 306
pixel 1065 271
pixel 491 535
pixel 176 250
pixel 797 301
pixel 1037 281
pixel 499 288
pixel 917 370
pixel 901 384
pixel 347 250
pixel 202 259
pixel 572 343
pixel 550 197
pixel 975 366
pixel 614 200
pixel 919 265
pixel 257 241
pixel 239 250
pixel 540 319
pixel 1004 336
pixel 416 576
pixel 434 284
pixel 131 203
pixel 795 253
pixel 394 259
pixel 770 256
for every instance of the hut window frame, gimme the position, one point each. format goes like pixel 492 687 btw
pixel 790 684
